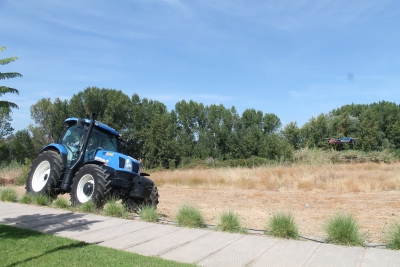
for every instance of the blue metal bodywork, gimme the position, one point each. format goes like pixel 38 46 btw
pixel 111 159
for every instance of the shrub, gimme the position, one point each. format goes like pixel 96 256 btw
pixel 61 203
pixel 115 209
pixel 343 229
pixel 8 194
pixel 148 214
pixel 229 221
pixel 42 200
pixel 283 225
pixel 88 207
pixel 393 237
pixel 190 216
pixel 23 176
pixel 27 198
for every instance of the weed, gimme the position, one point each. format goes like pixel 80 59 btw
pixel 393 237
pixel 115 209
pixel 148 214
pixel 190 216
pixel 342 229
pixel 8 194
pixel 61 203
pixel 27 198
pixel 23 175
pixel 88 207
pixel 41 200
pixel 229 221
pixel 283 225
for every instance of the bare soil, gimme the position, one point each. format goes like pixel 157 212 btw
pixel 375 211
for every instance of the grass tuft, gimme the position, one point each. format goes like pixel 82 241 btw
pixel 190 216
pixel 393 237
pixel 88 207
pixel 148 214
pixel 8 194
pixel 61 203
pixel 342 229
pixel 27 198
pixel 115 209
pixel 283 225
pixel 229 221
pixel 41 200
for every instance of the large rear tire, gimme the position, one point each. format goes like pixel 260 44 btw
pixel 90 183
pixel 134 204
pixel 45 174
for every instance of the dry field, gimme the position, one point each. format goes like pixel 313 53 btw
pixel 369 191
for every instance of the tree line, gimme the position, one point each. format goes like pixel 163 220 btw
pixel 194 131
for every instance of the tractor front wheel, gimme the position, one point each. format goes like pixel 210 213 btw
pixel 90 183
pixel 45 174
pixel 134 204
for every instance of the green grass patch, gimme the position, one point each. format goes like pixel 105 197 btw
pixel 342 229
pixel 115 209
pixel 149 214
pixel 88 207
pixel 229 221
pixel 393 237
pixel 27 198
pixel 283 225
pixel 190 216
pixel 9 195
pixel 30 248
pixel 62 203
pixel 41 200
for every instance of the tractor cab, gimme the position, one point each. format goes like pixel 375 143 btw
pixel 100 138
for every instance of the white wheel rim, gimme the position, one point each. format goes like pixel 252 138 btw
pixel 41 176
pixel 85 182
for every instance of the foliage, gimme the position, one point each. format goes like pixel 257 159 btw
pixel 22 147
pixel 4 89
pixel 31 248
pixel 393 237
pixel 8 194
pixel 229 221
pixel 148 214
pixel 343 229
pixel 23 176
pixel 42 200
pixel 61 203
pixel 88 207
pixel 27 198
pixel 283 225
pixel 190 216
pixel 115 209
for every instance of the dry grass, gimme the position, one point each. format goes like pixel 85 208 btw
pixel 363 177
pixel 9 176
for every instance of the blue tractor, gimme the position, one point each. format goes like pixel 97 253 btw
pixel 86 163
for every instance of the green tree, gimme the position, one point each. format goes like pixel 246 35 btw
pixel 292 134
pixel 5 123
pixel 22 147
pixel 8 75
pixel 369 130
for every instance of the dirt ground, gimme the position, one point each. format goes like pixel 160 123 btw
pixel 375 211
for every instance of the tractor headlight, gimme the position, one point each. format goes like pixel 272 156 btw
pixel 128 165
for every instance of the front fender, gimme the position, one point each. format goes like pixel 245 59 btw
pixel 61 149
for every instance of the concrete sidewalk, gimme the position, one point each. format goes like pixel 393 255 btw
pixel 199 246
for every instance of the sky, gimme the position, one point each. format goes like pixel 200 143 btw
pixel 294 58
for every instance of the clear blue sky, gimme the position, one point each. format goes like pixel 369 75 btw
pixel 293 58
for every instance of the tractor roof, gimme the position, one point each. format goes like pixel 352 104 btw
pixel 97 123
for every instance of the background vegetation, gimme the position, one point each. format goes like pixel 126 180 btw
pixel 196 134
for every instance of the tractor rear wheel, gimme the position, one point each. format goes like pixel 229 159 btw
pixel 45 174
pixel 90 183
pixel 134 204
